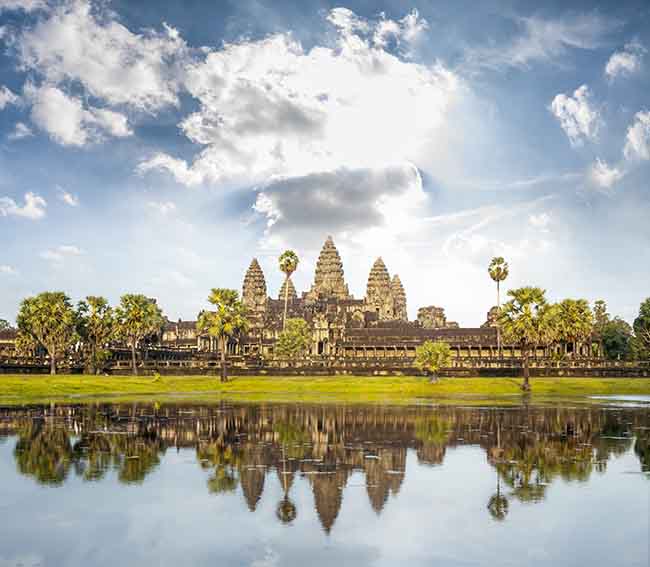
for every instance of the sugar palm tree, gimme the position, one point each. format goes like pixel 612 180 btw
pixel 528 320
pixel 575 322
pixel 288 263
pixel 227 321
pixel 498 270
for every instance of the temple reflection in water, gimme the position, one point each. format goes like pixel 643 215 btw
pixel 244 447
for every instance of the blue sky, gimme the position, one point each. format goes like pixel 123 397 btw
pixel 156 147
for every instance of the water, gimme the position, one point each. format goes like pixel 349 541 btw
pixel 284 485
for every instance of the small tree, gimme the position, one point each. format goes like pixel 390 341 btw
pixel 616 337
pixel 228 320
pixel 575 322
pixel 288 263
pixel 498 270
pixel 294 340
pixel 528 320
pixel 137 317
pixel 96 326
pixel 642 329
pixel 431 356
pixel 47 320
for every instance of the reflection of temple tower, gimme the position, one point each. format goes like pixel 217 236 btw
pixel 328 496
pixel 384 476
pixel 329 280
pixel 252 483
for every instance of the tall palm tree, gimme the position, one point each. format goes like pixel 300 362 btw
pixel 575 322
pixel 227 321
pixel 528 320
pixel 288 263
pixel 498 270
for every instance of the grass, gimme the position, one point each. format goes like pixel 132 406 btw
pixel 26 388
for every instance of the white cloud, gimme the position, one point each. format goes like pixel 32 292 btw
pixel 7 97
pixel 268 107
pixel 77 42
pixel 637 145
pixel 24 5
pixel 626 62
pixel 8 270
pixel 60 253
pixel 66 120
pixel 541 40
pixel 577 115
pixel 68 198
pixel 21 131
pixel 605 176
pixel 164 208
pixel 34 207
pixel 540 221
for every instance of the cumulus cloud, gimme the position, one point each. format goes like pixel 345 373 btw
pixel 22 5
pixel 302 209
pixel 21 130
pixel 34 207
pixel 270 107
pixel 626 62
pixel 637 144
pixel 60 253
pixel 577 115
pixel 68 198
pixel 542 40
pixel 7 97
pixel 68 121
pixel 77 42
pixel 605 176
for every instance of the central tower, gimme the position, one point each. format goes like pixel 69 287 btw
pixel 329 280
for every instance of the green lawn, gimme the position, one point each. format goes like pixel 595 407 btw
pixel 25 388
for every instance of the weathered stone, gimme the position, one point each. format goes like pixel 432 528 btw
pixel 492 316
pixel 329 280
pixel 378 291
pixel 432 317
pixel 292 290
pixel 254 289
pixel 399 298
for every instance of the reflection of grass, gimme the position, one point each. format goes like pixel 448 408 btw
pixel 24 388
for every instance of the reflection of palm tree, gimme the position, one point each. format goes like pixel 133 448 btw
pixel 44 453
pixel 498 504
pixel 222 480
pixel 286 510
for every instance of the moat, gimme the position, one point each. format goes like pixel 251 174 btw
pixel 302 484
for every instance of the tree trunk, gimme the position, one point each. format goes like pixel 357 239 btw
pixel 498 313
pixel 93 358
pixel 133 359
pixel 286 301
pixel 526 363
pixel 53 362
pixel 433 379
pixel 224 369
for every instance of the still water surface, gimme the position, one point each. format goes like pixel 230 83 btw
pixel 292 484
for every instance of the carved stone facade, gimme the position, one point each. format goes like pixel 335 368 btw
pixel 254 295
pixel 433 317
pixel 329 279
pixel 292 291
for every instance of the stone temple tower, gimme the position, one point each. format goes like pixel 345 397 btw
pixel 329 280
pixel 254 289
pixel 378 291
pixel 292 291
pixel 399 298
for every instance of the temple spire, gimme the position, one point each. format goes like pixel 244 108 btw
pixel 399 298
pixel 378 291
pixel 292 290
pixel 254 289
pixel 329 279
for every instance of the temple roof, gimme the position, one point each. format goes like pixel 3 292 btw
pixel 292 290
pixel 329 279
pixel 254 288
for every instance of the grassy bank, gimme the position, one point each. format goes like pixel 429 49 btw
pixel 24 388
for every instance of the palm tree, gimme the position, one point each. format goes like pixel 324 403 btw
pixel 575 322
pixel 498 270
pixel 227 321
pixel 528 320
pixel 137 318
pixel 288 263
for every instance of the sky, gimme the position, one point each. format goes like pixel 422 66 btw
pixel 156 147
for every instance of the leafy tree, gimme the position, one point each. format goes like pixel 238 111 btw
pixel 498 504
pixel 575 321
pixel 498 270
pixel 528 321
pixel 4 325
pixel 288 263
pixel 228 320
pixel 431 356
pixel 294 340
pixel 96 326
pixel 642 328
pixel 616 337
pixel 137 317
pixel 47 320
pixel 601 318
